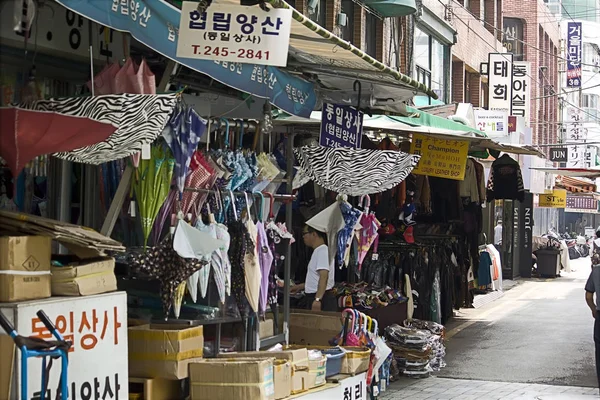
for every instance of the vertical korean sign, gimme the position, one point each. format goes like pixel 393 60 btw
pixel 574 54
pixel 521 90
pixel 235 33
pixel 500 75
pixel 97 327
pixel 575 133
pixel 341 126
pixel 439 157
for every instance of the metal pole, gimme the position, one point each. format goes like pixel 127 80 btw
pixel 64 197
pixel 288 222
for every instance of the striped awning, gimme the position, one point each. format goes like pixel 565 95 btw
pixel 575 185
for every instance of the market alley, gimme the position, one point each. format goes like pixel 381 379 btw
pixel 536 340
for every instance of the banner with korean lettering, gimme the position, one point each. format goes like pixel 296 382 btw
pixel 521 90
pixel 443 158
pixel 500 78
pixel 341 126
pixel 574 51
pixel 555 199
pixel 576 133
pixel 97 327
pixel 235 33
pixel 155 24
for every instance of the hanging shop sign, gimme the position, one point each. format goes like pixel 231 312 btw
pixel 576 132
pixel 493 123
pixel 61 33
pixel 555 199
pixel 559 154
pixel 235 33
pixel 590 156
pixel 583 204
pixel 341 126
pixel 97 326
pixel 500 77
pixel 440 158
pixel 513 37
pixel 155 24
pixel 525 245
pixel 521 90
pixel 574 54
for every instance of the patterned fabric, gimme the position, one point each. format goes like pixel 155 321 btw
pixel 354 171
pixel 344 237
pixel 139 119
pixel 165 265
pixel 265 257
pixel 241 245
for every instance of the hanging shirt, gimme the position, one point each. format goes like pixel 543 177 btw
pixel 498 234
pixel 319 261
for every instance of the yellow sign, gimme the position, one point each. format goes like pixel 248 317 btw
pixel 555 199
pixel 440 157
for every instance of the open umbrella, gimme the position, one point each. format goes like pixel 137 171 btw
pixel 26 134
pixel 152 186
pixel 139 118
pixel 182 133
pixel 162 262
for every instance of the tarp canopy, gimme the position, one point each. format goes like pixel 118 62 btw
pixel 421 118
pixel 572 172
pixel 575 185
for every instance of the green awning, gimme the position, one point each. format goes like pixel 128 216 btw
pixel 422 118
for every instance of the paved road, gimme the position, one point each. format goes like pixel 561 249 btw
pixel 539 332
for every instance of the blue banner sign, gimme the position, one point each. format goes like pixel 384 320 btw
pixel 574 54
pixel 341 126
pixel 155 23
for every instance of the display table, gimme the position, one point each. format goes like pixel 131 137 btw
pixel 97 326
pixel 338 387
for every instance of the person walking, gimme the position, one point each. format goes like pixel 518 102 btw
pixel 592 287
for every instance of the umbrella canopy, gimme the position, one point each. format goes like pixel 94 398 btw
pixel 162 262
pixel 139 118
pixel 182 134
pixel 26 134
pixel 152 186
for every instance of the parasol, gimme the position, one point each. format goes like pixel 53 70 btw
pixel 139 118
pixel 162 262
pixel 331 221
pixel 104 82
pixel 369 232
pixel 201 176
pixel 152 186
pixel 26 134
pixel 182 134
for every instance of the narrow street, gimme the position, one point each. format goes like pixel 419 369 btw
pixel 535 342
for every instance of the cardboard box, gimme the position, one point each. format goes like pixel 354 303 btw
pixel 282 374
pixel 297 357
pixel 24 268
pixel 356 360
pixel 232 379
pixel 93 276
pixel 265 328
pixel 317 370
pixel 157 351
pixel 314 329
pixel 155 389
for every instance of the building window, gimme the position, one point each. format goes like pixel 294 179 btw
pixel 371 35
pixel 317 13
pixel 348 30
pixel 432 63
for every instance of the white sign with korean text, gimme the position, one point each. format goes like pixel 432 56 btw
pixel 235 33
pixel 521 90
pixel 493 123
pixel 350 388
pixel 500 71
pixel 97 326
pixel 60 32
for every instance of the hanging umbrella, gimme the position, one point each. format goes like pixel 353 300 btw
pixel 139 118
pixel 104 82
pixel 369 232
pixel 182 134
pixel 331 221
pixel 26 134
pixel 201 176
pixel 162 263
pixel 152 186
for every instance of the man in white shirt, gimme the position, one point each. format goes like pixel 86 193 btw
pixel 498 233
pixel 320 273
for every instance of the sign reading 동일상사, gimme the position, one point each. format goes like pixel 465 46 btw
pixel 574 54
pixel 500 77
pixel 555 199
pixel 341 126
pixel 439 157
pixel 235 33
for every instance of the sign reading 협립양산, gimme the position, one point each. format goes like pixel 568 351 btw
pixel 341 126
pixel 440 157
pixel 555 199
pixel 235 33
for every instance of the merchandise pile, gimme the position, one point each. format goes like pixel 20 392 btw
pixel 418 347
pixel 362 295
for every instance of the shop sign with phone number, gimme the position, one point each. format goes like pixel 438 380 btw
pixel 235 33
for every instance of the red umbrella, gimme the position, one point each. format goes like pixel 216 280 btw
pixel 26 134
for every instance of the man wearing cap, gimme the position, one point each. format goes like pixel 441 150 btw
pixel 593 287
pixel 320 273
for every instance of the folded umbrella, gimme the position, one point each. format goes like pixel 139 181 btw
pixel 26 134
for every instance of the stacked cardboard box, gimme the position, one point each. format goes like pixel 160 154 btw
pixel 83 277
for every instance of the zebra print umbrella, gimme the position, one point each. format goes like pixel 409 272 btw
pixel 354 172
pixel 139 118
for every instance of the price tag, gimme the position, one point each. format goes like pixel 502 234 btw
pixel 146 153
pixel 375 257
pixel 132 209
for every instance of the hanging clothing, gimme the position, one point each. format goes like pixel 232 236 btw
pixel 484 276
pixel 468 187
pixel 265 258
pixel 480 172
pixel 505 181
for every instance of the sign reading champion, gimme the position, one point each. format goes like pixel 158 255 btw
pixel 235 34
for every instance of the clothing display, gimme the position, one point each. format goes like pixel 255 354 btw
pixel 505 181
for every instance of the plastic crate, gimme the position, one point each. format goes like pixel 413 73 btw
pixel 335 357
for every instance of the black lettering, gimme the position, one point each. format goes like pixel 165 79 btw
pixel 86 391
pixel 104 50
